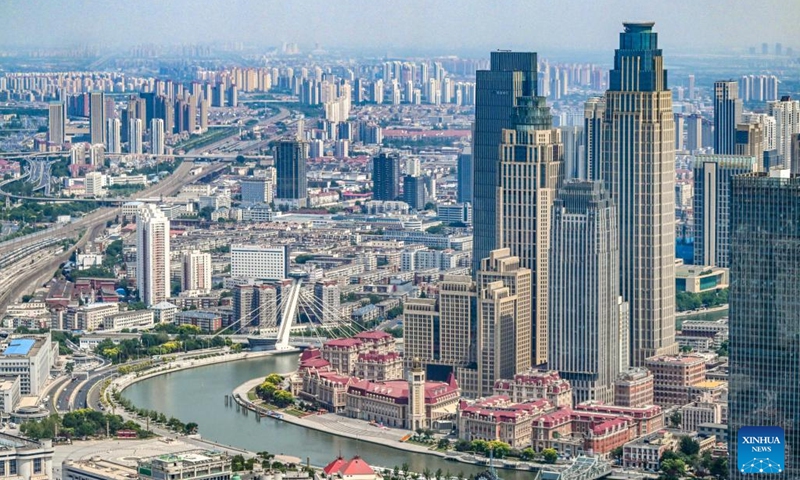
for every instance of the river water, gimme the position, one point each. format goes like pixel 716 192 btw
pixel 198 395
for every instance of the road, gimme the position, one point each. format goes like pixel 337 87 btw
pixel 92 223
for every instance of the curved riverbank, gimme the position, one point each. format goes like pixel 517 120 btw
pixel 121 383
pixel 339 426
pixel 198 394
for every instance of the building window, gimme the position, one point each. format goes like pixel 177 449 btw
pixel 12 467
pixel 37 465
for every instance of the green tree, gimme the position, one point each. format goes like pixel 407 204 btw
pixel 527 454
pixel 675 419
pixel 282 398
pixel 274 379
pixel 550 455
pixel 672 469
pixel 443 444
pixel 689 446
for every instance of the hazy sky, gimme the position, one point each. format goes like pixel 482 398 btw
pixel 442 26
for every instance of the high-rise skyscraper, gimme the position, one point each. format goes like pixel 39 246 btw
pixel 157 136
pixel 290 163
pixel 386 177
pixel 593 113
pixel 56 127
pixel 764 370
pixel 694 132
pixel 152 255
pixel 97 118
pixel 787 122
pixel 113 135
pixel 511 75
pixel 465 180
pixel 327 296
pixel 750 142
pixel 135 136
pixel 679 130
pixel 727 114
pixel 255 305
pixel 530 173
pixel 639 171
pixel 712 204
pixel 442 333
pixel 504 319
pixel 196 273
pixel 588 320
pixel 414 192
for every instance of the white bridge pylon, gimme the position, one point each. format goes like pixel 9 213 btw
pixel 289 314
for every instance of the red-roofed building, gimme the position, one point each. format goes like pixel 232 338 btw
pixel 535 384
pixel 373 347
pixel 378 367
pixel 387 403
pixel 354 469
pixel 497 418
pixel 647 419
pixel 328 389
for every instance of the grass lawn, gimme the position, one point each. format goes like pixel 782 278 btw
pixel 251 395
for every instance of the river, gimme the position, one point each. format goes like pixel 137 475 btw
pixel 197 395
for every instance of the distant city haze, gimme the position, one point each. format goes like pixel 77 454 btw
pixel 464 27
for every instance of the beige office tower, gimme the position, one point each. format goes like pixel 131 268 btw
pixel 419 317
pixel 530 173
pixel 504 318
pixel 57 124
pixel 442 333
pixel 638 169
pixel 750 142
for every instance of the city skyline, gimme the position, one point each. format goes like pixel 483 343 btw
pixel 475 26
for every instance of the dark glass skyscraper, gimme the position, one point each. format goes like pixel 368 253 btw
pixel 414 192
pixel 727 114
pixel 764 375
pixel 511 75
pixel 290 163
pixel 385 177
pixel 465 170
pixel 638 169
pixel 712 200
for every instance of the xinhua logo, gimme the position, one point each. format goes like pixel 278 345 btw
pixel 761 450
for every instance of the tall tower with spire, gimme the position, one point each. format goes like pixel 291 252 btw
pixel 530 173
pixel 638 169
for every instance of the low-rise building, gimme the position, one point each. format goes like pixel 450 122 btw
pixel 9 393
pixel 705 410
pixel 647 419
pixel 498 418
pixel 30 358
pixel 634 388
pixel 673 377
pixel 129 319
pixel 197 465
pixel 96 469
pixel 699 278
pixel 536 384
pixel 378 367
pixel 25 459
pixel 207 321
pixel 389 403
pixel 645 452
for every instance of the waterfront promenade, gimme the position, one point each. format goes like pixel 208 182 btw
pixel 360 430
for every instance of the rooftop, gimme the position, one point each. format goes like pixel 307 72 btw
pixel 19 346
